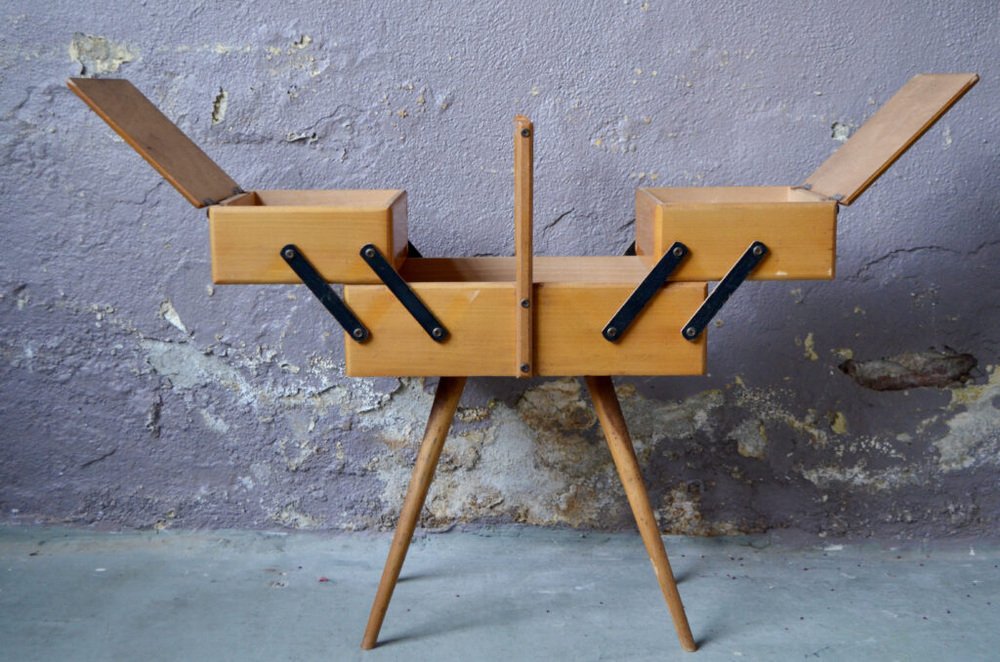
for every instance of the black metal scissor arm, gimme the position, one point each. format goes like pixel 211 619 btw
pixel 720 295
pixel 318 286
pixel 403 292
pixel 644 293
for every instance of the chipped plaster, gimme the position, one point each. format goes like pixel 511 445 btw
pixel 973 436
pixel 99 55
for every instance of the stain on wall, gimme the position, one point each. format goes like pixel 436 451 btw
pixel 134 393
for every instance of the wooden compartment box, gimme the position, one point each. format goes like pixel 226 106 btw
pixel 570 316
pixel 718 223
pixel 797 223
pixel 248 229
pixel 567 340
pixel 330 227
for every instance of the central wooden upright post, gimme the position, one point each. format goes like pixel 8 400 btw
pixel 524 192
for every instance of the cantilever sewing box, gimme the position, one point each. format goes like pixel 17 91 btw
pixel 644 313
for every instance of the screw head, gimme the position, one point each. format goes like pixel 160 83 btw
pixel 437 332
pixel 611 332
pixel 678 251
pixel 369 252
pixel 358 333
pixel 525 133
pixel 525 367
pixel 758 250
pixel 690 332
pixel 289 253
pixel 525 303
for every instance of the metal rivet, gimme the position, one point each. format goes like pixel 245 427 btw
pixel 690 332
pixel 525 133
pixel 678 251
pixel 369 252
pixel 525 303
pixel 358 333
pixel 611 332
pixel 289 253
pixel 758 250
pixel 525 367
pixel 437 332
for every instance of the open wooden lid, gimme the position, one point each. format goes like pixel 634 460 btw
pixel 157 139
pixel 887 134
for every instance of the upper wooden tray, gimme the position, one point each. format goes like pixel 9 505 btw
pixel 887 134
pixel 157 139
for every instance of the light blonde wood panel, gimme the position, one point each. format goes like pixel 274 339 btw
pixel 569 318
pixel 246 240
pixel 351 201
pixel 888 133
pixel 717 225
pixel 523 209
pixel 479 318
pixel 547 268
pixel 648 223
pixel 247 199
pixel 400 240
pixel 719 195
pixel 158 140
pixel 344 199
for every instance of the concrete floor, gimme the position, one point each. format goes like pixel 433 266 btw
pixel 494 594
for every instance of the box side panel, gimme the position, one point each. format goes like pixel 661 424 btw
pixel 479 318
pixel 833 242
pixel 245 242
pixel 646 213
pixel 246 199
pixel 344 199
pixel 799 235
pixel 398 229
pixel 718 194
pixel 547 268
pixel 569 318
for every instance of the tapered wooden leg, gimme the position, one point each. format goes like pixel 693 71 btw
pixel 449 391
pixel 602 392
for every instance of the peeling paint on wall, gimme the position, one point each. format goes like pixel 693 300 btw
pixel 751 439
pixel 973 434
pixel 99 55
pixel 911 370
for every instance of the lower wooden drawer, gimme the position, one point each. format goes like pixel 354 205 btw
pixel 568 321
pixel 569 318
pixel 479 318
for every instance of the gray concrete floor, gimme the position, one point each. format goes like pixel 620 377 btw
pixel 494 594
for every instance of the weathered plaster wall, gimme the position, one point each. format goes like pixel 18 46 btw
pixel 134 393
